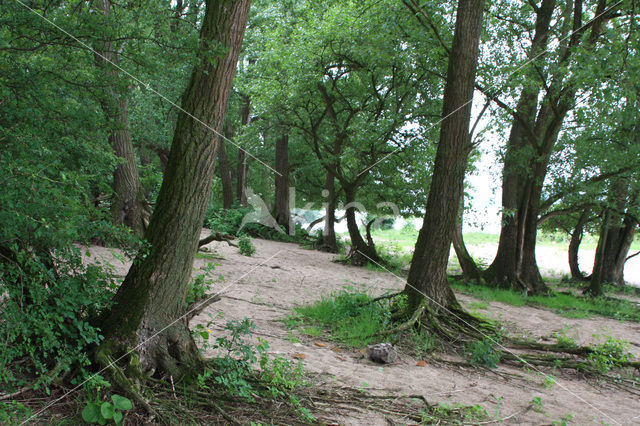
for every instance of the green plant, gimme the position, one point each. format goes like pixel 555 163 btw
pixel 104 412
pixel 564 421
pixel 200 285
pixel 609 354
pixel 350 315
pixel 549 381
pixel 13 412
pixel 483 352
pixel 245 245
pixel 536 403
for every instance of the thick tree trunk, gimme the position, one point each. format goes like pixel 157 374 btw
pixel 595 284
pixel 574 246
pixel 128 206
pixel 470 270
pixel 428 271
pixel 361 252
pixel 242 166
pixel 148 306
pixel 225 172
pixel 281 204
pixel 329 241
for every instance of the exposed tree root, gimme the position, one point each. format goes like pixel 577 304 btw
pixel 125 383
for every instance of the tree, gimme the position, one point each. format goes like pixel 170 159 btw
pixel 128 206
pixel 148 305
pixel 428 271
pixel 534 131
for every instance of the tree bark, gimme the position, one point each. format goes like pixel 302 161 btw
pixel 281 204
pixel 470 270
pixel 128 206
pixel 242 166
pixel 574 246
pixel 329 240
pixel 428 271
pixel 361 252
pixel 225 172
pixel 148 306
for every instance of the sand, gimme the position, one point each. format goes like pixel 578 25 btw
pixel 279 276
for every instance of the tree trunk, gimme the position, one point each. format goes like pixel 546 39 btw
pixel 361 252
pixel 128 206
pixel 242 166
pixel 595 285
pixel 148 306
pixel 504 268
pixel 329 241
pixel 574 246
pixel 282 209
pixel 428 271
pixel 225 173
pixel 470 270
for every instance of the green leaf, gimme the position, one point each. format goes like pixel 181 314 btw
pixel 91 413
pixel 107 410
pixel 117 417
pixel 121 402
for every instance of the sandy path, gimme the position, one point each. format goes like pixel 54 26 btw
pixel 266 286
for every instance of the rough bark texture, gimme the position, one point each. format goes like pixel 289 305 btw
pixel 281 204
pixel 428 272
pixel 242 166
pixel 225 172
pixel 574 246
pixel 152 295
pixel 128 206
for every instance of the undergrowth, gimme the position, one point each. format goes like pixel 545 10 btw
pixel 568 305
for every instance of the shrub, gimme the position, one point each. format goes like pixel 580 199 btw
pixel 483 352
pixel 245 245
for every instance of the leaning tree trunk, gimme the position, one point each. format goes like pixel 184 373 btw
pixel 428 272
pixel 470 270
pixel 225 172
pixel 329 240
pixel 361 252
pixel 148 306
pixel 128 206
pixel 281 205
pixel 574 246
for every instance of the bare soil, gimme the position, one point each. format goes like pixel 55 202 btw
pixel 279 276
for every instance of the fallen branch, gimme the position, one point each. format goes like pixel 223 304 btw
pixel 217 236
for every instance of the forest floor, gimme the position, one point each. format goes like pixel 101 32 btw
pixel 280 276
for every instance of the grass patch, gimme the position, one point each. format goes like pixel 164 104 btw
pixel 567 305
pixel 349 315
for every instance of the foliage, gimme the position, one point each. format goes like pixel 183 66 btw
pixel 200 285
pixel 46 314
pixel 350 315
pixel 13 412
pixel 104 412
pixel 609 354
pixel 245 245
pixel 484 352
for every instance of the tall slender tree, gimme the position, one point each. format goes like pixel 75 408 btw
pixel 428 271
